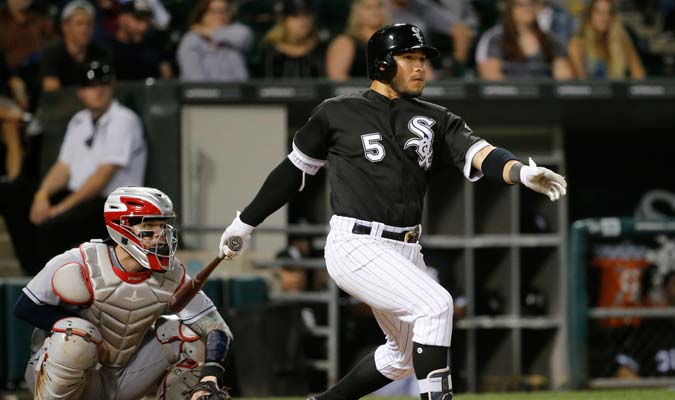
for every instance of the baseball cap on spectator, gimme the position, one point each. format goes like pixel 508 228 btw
pixel 291 253
pixel 95 73
pixel 139 8
pixel 293 7
pixel 75 6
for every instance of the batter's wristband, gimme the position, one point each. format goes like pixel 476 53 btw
pixel 493 165
pixel 213 369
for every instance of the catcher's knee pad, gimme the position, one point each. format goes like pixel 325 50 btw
pixel 185 352
pixel 71 352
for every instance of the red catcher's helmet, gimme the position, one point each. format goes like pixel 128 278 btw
pixel 129 206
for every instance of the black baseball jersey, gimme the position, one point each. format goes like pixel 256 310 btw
pixel 381 153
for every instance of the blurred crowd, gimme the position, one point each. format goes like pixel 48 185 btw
pixel 90 44
pixel 42 41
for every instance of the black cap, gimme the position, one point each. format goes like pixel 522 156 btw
pixel 95 73
pixel 140 8
pixel 293 7
pixel 392 40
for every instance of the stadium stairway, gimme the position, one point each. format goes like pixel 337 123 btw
pixel 9 265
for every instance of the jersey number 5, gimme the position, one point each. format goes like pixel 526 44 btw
pixel 372 148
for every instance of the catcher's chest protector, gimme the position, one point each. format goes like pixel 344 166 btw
pixel 124 311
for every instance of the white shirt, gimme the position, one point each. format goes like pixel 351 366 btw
pixel 117 138
pixel 545 19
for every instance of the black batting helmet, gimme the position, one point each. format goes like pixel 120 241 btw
pixel 391 40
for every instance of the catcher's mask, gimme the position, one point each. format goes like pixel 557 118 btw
pixel 141 219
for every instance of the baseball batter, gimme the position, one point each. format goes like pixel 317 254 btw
pixel 98 312
pixel 382 145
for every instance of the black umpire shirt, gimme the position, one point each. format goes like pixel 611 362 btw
pixel 382 151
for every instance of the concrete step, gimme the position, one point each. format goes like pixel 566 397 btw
pixel 6 248
pixel 10 267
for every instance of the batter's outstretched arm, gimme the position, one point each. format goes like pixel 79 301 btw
pixel 499 164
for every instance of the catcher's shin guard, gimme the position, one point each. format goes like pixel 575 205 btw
pixel 439 385
pixel 71 352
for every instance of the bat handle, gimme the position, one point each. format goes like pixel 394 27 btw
pixel 234 243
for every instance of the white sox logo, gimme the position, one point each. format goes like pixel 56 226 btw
pixel 417 33
pixel 421 126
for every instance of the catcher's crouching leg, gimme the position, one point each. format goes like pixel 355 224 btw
pixel 71 353
pixel 185 351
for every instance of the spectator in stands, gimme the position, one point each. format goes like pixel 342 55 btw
pixel 23 33
pixel 292 276
pixel 602 48
pixel 520 49
pixel 105 25
pixel 432 17
pixel 215 47
pixel 108 12
pixel 103 149
pixel 464 9
pixel 23 36
pixel 555 20
pixel 551 18
pixel 346 55
pixel 295 277
pixel 291 49
pixel 161 18
pixel 134 58
pixel 64 58
pixel 10 124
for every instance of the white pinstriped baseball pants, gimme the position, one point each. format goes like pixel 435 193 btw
pixel 389 276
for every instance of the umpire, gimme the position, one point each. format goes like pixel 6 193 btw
pixel 383 144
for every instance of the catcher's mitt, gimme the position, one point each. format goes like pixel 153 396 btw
pixel 215 393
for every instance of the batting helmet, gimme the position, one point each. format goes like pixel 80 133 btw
pixel 129 206
pixel 392 40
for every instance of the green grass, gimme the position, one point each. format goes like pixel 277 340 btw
pixel 619 394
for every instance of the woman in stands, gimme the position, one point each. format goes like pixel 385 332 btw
pixel 291 49
pixel 346 57
pixel 215 47
pixel 602 48
pixel 519 49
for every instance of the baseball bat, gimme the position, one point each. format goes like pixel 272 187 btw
pixel 190 289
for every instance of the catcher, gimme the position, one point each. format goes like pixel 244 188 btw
pixel 98 312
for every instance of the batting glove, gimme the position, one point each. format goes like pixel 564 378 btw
pixel 236 229
pixel 543 180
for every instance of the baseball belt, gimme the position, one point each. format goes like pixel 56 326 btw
pixel 411 236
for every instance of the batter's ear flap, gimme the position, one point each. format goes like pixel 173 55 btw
pixel 386 67
pixel 381 66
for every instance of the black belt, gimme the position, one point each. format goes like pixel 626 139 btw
pixel 405 236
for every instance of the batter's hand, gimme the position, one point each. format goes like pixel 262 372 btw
pixel 239 229
pixel 543 180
